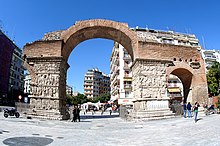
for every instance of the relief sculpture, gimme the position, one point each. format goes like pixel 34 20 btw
pixel 151 80
pixel 46 67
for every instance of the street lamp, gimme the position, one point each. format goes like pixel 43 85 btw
pixel 11 99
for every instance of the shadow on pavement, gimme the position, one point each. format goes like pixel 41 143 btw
pixel 27 141
pixel 199 119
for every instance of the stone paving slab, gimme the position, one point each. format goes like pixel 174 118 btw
pixel 112 131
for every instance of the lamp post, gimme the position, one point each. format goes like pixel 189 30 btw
pixel 11 99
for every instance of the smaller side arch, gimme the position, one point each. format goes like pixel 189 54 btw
pixel 193 82
pixel 186 78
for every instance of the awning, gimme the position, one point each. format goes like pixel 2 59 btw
pixel 174 90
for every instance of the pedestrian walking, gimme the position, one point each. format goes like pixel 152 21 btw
pixel 189 107
pixel 196 106
pixel 184 110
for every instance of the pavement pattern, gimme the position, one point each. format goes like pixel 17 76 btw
pixel 106 130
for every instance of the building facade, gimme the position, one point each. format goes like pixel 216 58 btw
pixel 168 37
pixel 17 77
pixel 175 89
pixel 121 75
pixel 6 51
pixel 69 90
pixel 210 56
pixel 12 70
pixel 27 81
pixel 96 83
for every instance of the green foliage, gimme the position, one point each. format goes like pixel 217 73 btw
pixel 79 99
pixel 102 98
pixel 69 99
pixel 213 78
pixel 218 103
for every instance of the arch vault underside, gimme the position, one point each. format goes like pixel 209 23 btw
pixel 46 60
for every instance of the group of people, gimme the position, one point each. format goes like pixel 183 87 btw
pixel 76 114
pixel 188 107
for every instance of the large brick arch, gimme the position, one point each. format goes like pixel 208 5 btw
pixel 98 28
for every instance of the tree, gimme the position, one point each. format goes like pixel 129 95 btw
pixel 79 99
pixel 213 78
pixel 218 103
pixel 69 99
pixel 102 98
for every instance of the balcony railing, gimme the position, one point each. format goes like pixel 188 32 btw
pixel 127 57
pixel 174 95
pixel 127 86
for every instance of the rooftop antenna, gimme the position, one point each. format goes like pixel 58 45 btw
pixel 203 41
pixel 146 27
pixel 13 34
pixel 1 25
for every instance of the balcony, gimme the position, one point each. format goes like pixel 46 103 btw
pixel 127 77
pixel 127 57
pixel 88 88
pixel 127 86
pixel 126 67
pixel 86 92
pixel 88 84
pixel 174 95
pixel 174 90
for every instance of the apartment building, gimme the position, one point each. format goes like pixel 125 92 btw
pixel 69 90
pixel 210 56
pixel 27 81
pixel 6 51
pixel 12 70
pixel 96 83
pixel 167 37
pixel 17 77
pixel 121 75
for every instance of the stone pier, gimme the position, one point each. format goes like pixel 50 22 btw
pixel 149 87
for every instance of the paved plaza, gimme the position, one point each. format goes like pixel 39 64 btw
pixel 97 130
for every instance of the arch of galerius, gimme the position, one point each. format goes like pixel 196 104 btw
pixel 46 61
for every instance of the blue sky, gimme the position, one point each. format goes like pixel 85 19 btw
pixel 28 20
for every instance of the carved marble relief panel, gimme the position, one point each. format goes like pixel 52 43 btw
pixel 47 79
pixel 149 79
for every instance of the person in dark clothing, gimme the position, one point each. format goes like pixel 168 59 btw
pixel 184 110
pixel 74 114
pixel 189 106
pixel 78 114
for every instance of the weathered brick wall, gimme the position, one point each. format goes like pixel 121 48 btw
pixel 43 49
pixel 152 50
